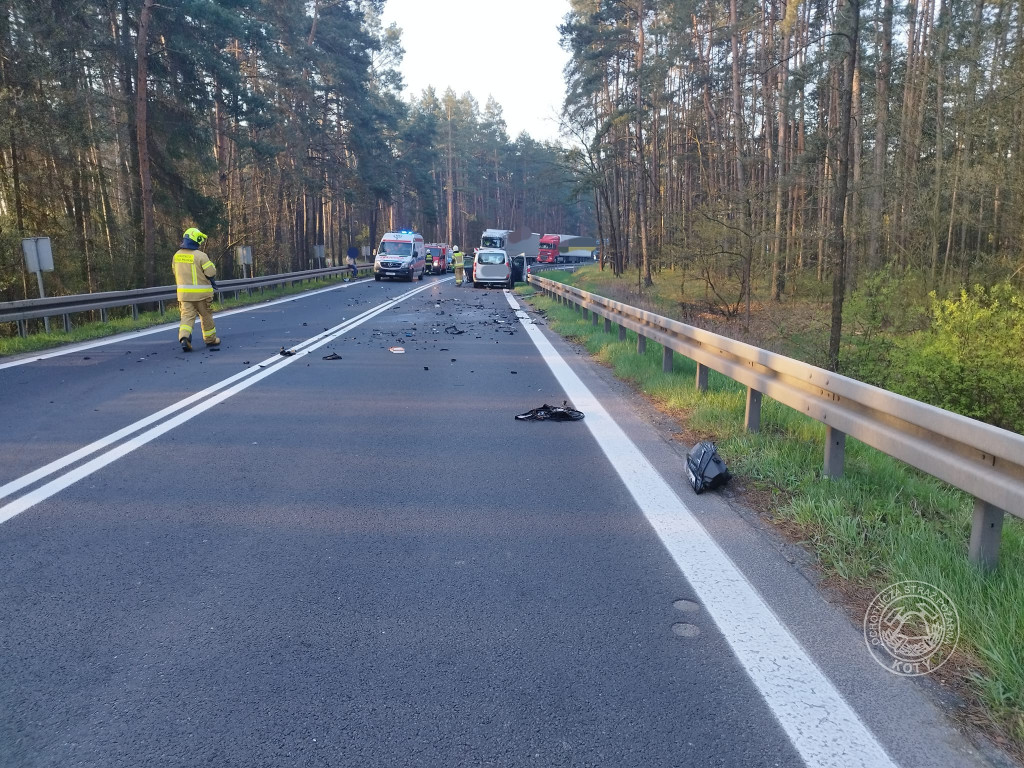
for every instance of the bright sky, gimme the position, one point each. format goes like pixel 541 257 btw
pixel 506 50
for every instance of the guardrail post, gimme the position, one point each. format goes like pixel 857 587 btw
pixel 641 344
pixel 702 378
pixel 586 312
pixel 23 328
pixel 160 304
pixel 666 360
pixel 135 311
pixel 835 452
pixel 622 333
pixel 986 533
pixel 103 315
pixel 607 325
pixel 67 323
pixel 594 319
pixel 752 417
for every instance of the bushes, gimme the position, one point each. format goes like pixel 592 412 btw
pixel 971 359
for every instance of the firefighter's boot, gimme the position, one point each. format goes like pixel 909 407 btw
pixel 214 342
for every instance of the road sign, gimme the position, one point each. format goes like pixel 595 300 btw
pixel 38 255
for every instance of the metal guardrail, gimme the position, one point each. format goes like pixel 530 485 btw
pixel 64 306
pixel 985 461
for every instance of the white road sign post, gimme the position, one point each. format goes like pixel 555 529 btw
pixel 38 259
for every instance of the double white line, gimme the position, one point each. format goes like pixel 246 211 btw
pixel 199 402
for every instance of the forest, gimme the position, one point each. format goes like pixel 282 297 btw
pixel 864 156
pixel 870 154
pixel 279 125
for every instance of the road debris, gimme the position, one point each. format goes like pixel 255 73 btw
pixel 397 350
pixel 563 412
pixel 453 330
pixel 286 352
pixel 332 356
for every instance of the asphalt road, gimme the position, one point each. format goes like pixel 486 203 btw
pixel 368 562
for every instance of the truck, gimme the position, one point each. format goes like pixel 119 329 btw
pixel 495 238
pixel 565 249
pixel 437 257
pixel 547 250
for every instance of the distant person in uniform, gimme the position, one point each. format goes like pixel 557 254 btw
pixel 459 263
pixel 194 274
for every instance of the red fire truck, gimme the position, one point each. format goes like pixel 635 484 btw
pixel 437 258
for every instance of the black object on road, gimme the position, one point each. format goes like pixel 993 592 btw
pixel 332 356
pixel 286 352
pixel 705 467
pixel 453 330
pixel 563 412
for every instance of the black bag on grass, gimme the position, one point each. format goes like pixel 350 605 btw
pixel 705 468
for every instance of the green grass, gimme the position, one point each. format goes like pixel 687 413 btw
pixel 882 522
pixel 120 320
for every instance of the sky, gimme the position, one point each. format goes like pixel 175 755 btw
pixel 506 50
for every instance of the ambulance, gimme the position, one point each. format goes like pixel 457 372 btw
pixel 401 255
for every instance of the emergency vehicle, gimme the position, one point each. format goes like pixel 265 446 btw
pixel 438 256
pixel 400 255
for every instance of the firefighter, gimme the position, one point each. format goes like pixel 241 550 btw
pixel 194 273
pixel 458 261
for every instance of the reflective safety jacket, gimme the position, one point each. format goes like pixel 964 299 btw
pixel 458 259
pixel 192 272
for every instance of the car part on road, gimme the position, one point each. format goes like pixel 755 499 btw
pixel 286 352
pixel 453 330
pixel 397 350
pixel 705 467
pixel 563 412
pixel 332 356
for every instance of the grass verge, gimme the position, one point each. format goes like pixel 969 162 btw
pixel 881 523
pixel 35 342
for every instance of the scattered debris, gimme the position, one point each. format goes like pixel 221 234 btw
pixel 453 330
pixel 705 468
pixel 453 359
pixel 563 412
pixel 332 356
pixel 426 368
pixel 397 350
pixel 514 373
pixel 286 352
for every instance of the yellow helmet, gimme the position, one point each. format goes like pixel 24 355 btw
pixel 195 236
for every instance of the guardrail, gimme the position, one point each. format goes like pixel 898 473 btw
pixel 21 312
pixel 985 461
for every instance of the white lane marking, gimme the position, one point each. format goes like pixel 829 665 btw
pixel 58 464
pixel 822 726
pixel 44 492
pixel 72 349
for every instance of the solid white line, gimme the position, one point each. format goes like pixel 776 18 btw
pixel 822 726
pixel 58 484
pixel 71 349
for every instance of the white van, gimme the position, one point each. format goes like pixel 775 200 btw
pixel 400 255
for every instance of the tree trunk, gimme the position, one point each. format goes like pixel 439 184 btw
pixel 837 240
pixel 882 75
pixel 142 139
